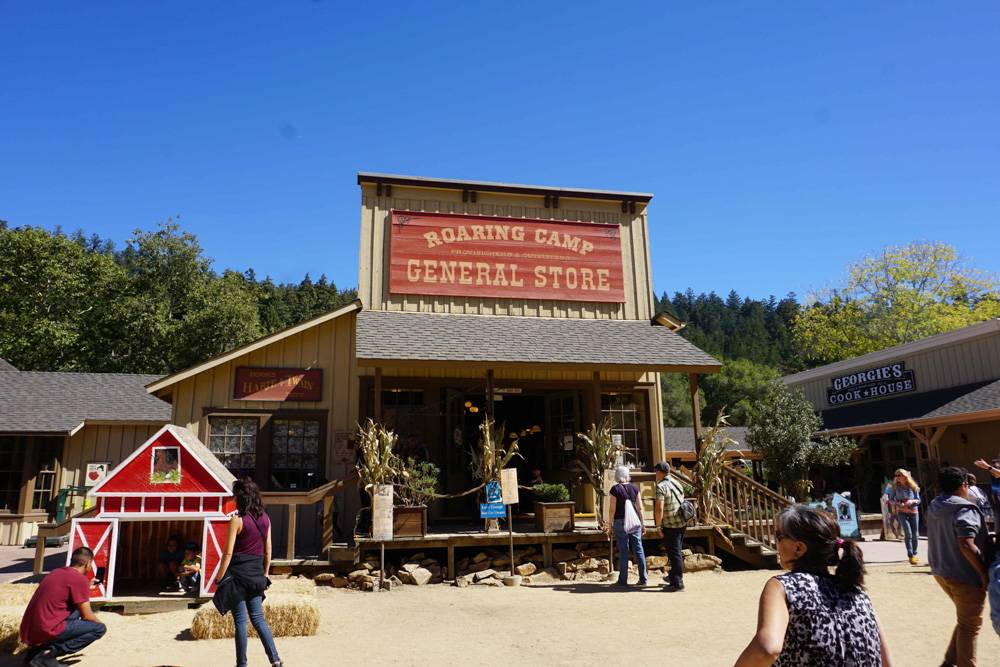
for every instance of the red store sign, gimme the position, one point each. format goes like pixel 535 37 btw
pixel 442 254
pixel 278 384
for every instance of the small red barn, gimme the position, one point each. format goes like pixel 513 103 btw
pixel 172 483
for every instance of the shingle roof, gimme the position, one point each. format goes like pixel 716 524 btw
pixel 34 402
pixel 939 403
pixel 6 366
pixel 210 460
pixel 681 438
pixel 436 337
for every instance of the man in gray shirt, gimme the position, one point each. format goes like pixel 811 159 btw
pixel 956 549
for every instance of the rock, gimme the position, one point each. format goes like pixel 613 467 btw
pixel 463 581
pixel 462 564
pixel 327 579
pixel 484 574
pixel 686 552
pixel 501 561
pixel 434 569
pixel 357 574
pixel 594 553
pixel 368 565
pixel 480 566
pixel 547 576
pixel 444 572
pixel 281 569
pixel 435 580
pixel 588 576
pixel 561 555
pixel 462 573
pixel 699 550
pixel 428 561
pixel 479 557
pixel 530 551
pixel 409 567
pixel 367 586
pixel 525 580
pixel 656 562
pixel 563 568
pixel 416 558
pixel 589 565
pixel 535 558
pixel 604 568
pixel 580 546
pixel 405 577
pixel 526 569
pixel 421 576
pixel 698 562
pixel 490 582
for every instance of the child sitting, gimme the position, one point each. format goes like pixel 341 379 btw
pixel 189 574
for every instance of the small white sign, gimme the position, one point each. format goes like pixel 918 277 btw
pixel 382 513
pixel 568 443
pixel 616 438
pixel 508 486
pixel 609 482
pixel 96 472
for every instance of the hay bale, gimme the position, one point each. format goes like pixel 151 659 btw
pixel 287 615
pixel 293 586
pixel 10 629
pixel 12 595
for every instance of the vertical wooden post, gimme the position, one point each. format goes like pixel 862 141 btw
pixel 378 394
pixel 695 412
pixel 510 531
pixel 381 568
pixel 39 553
pixel 292 516
pixel 327 520
pixel 490 398
pixel 595 397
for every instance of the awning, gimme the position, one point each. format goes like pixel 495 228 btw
pixel 978 401
pixel 426 340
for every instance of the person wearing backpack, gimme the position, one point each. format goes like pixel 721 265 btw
pixel 671 523
pixel 626 510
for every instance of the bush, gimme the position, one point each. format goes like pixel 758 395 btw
pixel 418 484
pixel 551 493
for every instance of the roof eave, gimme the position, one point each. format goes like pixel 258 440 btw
pixel 524 365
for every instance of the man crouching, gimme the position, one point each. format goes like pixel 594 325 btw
pixel 58 620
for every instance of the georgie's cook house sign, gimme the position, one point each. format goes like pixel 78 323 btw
pixel 441 254
pixel 872 383
pixel 278 384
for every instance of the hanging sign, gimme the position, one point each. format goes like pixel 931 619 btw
pixel 516 258
pixel 96 472
pixel 278 384
pixel 343 446
pixel 878 382
pixel 382 513
pixel 508 486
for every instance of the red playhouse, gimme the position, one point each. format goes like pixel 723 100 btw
pixel 170 486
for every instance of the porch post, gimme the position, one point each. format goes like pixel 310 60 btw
pixel 695 412
pixel 595 397
pixel 378 394
pixel 490 403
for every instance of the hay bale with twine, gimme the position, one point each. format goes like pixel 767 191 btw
pixel 293 586
pixel 288 615
pixel 12 595
pixel 10 629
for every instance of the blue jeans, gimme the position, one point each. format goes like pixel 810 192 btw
pixel 625 542
pixel 253 605
pixel 911 532
pixel 190 580
pixel 77 635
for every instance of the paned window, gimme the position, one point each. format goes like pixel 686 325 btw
pixel 627 412
pixel 12 451
pixel 48 453
pixel 295 452
pixel 233 440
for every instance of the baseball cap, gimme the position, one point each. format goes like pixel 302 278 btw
pixel 663 467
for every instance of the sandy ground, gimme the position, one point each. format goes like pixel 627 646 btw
pixel 562 624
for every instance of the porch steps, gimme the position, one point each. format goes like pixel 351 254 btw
pixel 749 550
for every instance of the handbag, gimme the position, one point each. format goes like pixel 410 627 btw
pixel 631 523
pixel 685 508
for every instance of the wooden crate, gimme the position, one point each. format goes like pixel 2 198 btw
pixel 554 517
pixel 409 521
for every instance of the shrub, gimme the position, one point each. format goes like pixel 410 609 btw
pixel 551 493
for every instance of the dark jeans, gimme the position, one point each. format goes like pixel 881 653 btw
pixel 190 580
pixel 77 636
pixel 673 543
pixel 911 532
pixel 256 611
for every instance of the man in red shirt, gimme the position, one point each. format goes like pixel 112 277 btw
pixel 58 620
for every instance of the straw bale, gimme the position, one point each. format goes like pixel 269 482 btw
pixel 15 594
pixel 287 615
pixel 292 586
pixel 10 627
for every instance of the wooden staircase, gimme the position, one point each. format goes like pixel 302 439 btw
pixel 748 550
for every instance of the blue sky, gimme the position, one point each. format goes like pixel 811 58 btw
pixel 780 140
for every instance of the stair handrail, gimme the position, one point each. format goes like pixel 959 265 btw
pixel 750 506
pixel 58 529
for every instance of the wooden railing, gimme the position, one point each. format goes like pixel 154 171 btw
pixel 749 507
pixel 320 493
pixel 46 530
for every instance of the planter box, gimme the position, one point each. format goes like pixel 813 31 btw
pixel 409 521
pixel 554 517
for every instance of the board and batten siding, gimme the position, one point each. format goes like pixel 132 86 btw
pixel 328 346
pixel 376 218
pixel 972 360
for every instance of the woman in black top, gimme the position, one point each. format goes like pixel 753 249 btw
pixel 622 494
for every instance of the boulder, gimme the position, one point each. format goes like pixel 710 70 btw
pixel 330 579
pixel 594 553
pixel 561 555
pixel 421 576
pixel 686 552
pixel 541 577
pixel 535 558
pixel 526 569
pixel 530 551
pixel 484 574
pixel 416 558
pixel 490 582
pixel 409 567
pixel 357 574
pixel 405 577
pixel 480 566
pixel 281 570
pixel 428 561
pixel 589 565
pixel 563 568
pixel 463 581
pixel 479 557
pixel 434 569
pixel 588 576
pixel 698 562
pixel 656 562
pixel 501 561
pixel 462 564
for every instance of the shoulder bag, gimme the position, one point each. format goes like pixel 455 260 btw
pixel 685 507
pixel 631 523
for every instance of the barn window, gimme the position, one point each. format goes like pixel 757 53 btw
pixel 233 440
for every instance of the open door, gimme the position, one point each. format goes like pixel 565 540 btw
pixel 101 537
pixel 213 545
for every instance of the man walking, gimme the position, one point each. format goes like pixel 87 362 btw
pixel 58 620
pixel 670 522
pixel 956 548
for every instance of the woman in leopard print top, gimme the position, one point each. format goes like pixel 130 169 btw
pixel 809 616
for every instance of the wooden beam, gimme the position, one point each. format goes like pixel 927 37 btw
pixel 938 432
pixel 695 412
pixel 292 516
pixel 595 397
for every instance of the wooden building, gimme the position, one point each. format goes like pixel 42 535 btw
pixel 914 406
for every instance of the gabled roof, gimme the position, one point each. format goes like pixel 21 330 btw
pixel 397 338
pixel 162 383
pixel 6 366
pixel 681 438
pixel 222 480
pixel 60 403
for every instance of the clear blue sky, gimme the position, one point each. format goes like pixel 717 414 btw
pixel 780 139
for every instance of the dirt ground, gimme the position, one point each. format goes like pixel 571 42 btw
pixel 562 624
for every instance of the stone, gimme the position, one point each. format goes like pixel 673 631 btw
pixel 548 575
pixel 463 581
pixel 490 582
pixel 421 576
pixel 444 572
pixel 561 555
pixel 327 579
pixel 580 546
pixel 463 573
pixel 435 580
pixel 686 552
pixel 396 583
pixel 699 549
pixel 484 574
pixel 479 557
pixel 480 566
pixel 434 569
pixel 603 568
pixel 525 580
pixel 409 567
pixel 405 577
pixel 588 576
pixel 535 558
pixel 462 564
pixel 526 569
pixel 530 551
pixel 368 565
pixel 656 562
pixel 588 564
pixel 367 586
pixel 416 558
pixel 699 562
pixel 563 568
pixel 427 561
pixel 357 574
pixel 281 570
pixel 501 561
pixel 594 553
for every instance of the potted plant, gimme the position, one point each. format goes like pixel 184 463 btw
pixel 553 508
pixel 377 464
pixel 415 488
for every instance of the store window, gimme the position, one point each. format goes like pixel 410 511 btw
pixel 12 453
pixel 295 453
pixel 233 440
pixel 49 450
pixel 627 412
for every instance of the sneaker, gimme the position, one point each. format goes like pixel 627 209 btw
pixel 679 585
pixel 914 560
pixel 45 659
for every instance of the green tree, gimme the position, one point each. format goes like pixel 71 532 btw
pixel 741 385
pixel 675 395
pixel 781 432
pixel 894 296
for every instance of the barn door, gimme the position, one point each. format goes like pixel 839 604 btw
pixel 213 546
pixel 101 537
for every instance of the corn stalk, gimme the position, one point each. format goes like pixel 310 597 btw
pixel 598 454
pixel 708 469
pixel 495 458
pixel 378 464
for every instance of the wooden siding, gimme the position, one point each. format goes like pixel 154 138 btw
pixel 973 360
pixel 329 346
pixel 982 442
pixel 373 277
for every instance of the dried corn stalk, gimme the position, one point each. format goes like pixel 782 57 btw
pixel 599 453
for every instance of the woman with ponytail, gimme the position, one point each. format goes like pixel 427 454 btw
pixel 810 616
